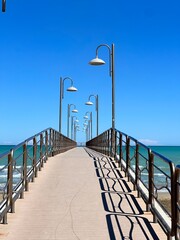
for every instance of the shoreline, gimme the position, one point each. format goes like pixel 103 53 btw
pixel 165 199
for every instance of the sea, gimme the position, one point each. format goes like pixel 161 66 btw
pixel 170 152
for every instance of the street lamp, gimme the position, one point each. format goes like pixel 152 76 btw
pixel 3 5
pixel 68 115
pixel 72 119
pixel 76 128
pixel 86 128
pixel 97 110
pixel 70 89
pixel 89 122
pixel 96 62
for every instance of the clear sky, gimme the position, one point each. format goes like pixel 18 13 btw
pixel 44 40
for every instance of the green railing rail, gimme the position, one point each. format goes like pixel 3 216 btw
pixel 21 164
pixel 142 167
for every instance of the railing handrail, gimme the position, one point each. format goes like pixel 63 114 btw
pixel 169 219
pixel 31 155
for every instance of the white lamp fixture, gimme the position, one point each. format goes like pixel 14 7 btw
pixel 97 61
pixel 89 103
pixel 72 89
pixel 75 111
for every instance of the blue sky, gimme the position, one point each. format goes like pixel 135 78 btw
pixel 45 40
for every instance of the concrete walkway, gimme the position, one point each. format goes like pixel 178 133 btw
pixel 80 195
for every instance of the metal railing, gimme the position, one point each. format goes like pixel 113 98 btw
pixel 21 164
pixel 155 177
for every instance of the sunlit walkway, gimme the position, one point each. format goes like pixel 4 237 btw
pixel 80 194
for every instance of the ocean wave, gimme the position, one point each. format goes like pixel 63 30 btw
pixel 155 174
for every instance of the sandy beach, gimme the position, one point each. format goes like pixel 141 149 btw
pixel 165 199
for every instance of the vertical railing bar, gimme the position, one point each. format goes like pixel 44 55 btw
pixel 112 143
pixel 151 180
pixel 25 182
pixel 35 171
pixel 108 143
pixel 46 147
pixel 10 181
pixel 115 145
pixel 177 203
pixel 41 152
pixel 120 152
pixel 136 165
pixel 127 156
pixel 9 185
pixel 173 198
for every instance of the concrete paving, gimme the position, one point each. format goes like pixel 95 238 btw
pixel 80 195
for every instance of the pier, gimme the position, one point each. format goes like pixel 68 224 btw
pixel 79 194
pixel 90 192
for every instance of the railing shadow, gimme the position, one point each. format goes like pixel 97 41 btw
pixel 125 218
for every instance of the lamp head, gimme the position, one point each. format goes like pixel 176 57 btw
pixel 89 103
pixel 75 111
pixel 72 89
pixel 97 61
pixel 86 117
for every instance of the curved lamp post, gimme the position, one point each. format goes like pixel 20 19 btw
pixel 68 115
pixel 97 110
pixel 86 128
pixel 76 128
pixel 3 5
pixel 70 89
pixel 72 119
pixel 89 123
pixel 96 62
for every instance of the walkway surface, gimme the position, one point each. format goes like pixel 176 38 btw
pixel 80 194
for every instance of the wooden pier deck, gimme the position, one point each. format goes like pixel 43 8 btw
pixel 80 194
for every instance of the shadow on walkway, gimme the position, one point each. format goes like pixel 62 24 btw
pixel 125 218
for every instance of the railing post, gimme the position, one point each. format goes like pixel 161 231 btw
pixel 59 142
pixel 10 181
pixel 9 201
pixel 136 166
pixel 112 143
pixel 127 156
pixel 41 152
pixel 105 144
pixel 52 142
pixel 177 205
pixel 120 150
pixel 35 172
pixel 108 143
pixel 115 146
pixel 151 180
pixel 25 182
pixel 46 147
pixel 173 199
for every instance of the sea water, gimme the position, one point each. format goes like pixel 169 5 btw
pixel 17 163
pixel 170 152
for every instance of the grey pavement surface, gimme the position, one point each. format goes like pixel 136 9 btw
pixel 80 194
